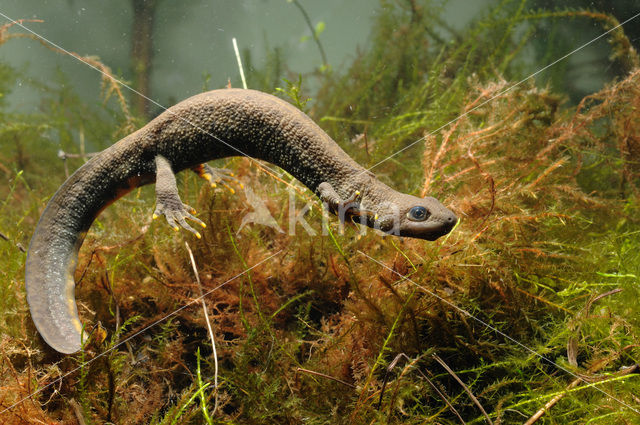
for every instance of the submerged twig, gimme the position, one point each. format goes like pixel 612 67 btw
pixel 64 156
pixel 313 372
pixel 533 419
pixel 464 386
pixel 393 364
pixel 574 326
pixel 78 411
pixel 314 33
pixel 17 244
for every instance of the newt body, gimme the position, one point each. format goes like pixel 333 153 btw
pixel 207 126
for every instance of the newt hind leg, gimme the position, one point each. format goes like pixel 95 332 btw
pixel 214 176
pixel 168 202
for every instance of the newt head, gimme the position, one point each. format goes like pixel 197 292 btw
pixel 376 205
pixel 425 218
pixel 410 216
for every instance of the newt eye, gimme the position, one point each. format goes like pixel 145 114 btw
pixel 418 214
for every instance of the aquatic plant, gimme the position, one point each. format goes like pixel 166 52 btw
pixel 527 311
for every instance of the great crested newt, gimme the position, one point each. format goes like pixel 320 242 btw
pixel 216 124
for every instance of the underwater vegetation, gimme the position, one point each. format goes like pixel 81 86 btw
pixel 526 313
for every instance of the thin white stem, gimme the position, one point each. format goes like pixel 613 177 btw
pixel 240 68
pixel 206 317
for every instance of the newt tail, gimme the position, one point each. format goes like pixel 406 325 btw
pixel 211 125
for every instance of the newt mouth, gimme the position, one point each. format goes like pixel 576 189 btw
pixel 430 231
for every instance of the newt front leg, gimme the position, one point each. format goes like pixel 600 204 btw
pixel 168 202
pixel 343 208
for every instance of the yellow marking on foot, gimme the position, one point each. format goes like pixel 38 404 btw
pixel 198 235
pixel 213 185
pixel 176 228
pixel 154 216
pixel 375 217
pixel 203 225
pixel 229 187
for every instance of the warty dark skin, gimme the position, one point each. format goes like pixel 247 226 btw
pixel 211 125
